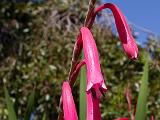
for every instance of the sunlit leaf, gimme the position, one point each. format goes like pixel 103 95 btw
pixel 142 98
pixel 82 103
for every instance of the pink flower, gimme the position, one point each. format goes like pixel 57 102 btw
pixel 69 108
pixel 94 76
pixel 95 82
pixel 125 34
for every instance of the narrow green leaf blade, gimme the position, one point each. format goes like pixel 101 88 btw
pixel 82 104
pixel 10 107
pixel 142 97
pixel 44 116
pixel 30 106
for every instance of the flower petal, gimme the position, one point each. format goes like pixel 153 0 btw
pixel 125 34
pixel 69 108
pixel 94 75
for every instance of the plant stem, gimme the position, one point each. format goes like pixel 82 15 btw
pixel 78 46
pixel 89 12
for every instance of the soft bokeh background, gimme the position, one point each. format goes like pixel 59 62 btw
pixel 36 42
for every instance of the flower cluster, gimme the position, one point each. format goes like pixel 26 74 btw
pixel 95 82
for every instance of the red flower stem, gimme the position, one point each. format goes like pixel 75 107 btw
pixel 76 52
pixel 89 12
pixel 78 45
pixel 76 72
pixel 75 56
pixel 129 101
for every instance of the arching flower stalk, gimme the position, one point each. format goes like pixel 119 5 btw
pixel 127 40
pixel 95 81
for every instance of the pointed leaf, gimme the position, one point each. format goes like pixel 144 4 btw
pixel 142 98
pixel 82 104
pixel 30 106
pixel 44 116
pixel 11 111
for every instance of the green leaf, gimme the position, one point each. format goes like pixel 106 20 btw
pixel 44 116
pixel 142 97
pixel 10 108
pixel 30 106
pixel 82 103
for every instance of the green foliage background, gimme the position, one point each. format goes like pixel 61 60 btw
pixel 36 42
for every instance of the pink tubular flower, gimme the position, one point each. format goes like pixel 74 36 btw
pixel 69 108
pixel 95 81
pixel 94 76
pixel 125 34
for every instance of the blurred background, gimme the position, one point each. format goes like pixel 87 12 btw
pixel 36 43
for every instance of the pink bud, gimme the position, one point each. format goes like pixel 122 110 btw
pixel 152 117
pixel 69 108
pixel 125 34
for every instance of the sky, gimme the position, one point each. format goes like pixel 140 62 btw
pixel 144 13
